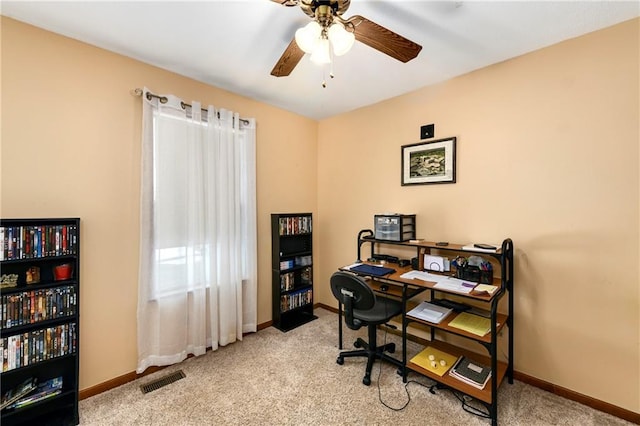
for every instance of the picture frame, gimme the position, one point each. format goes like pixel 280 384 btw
pixel 429 162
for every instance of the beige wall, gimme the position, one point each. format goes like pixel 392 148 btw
pixel 547 155
pixel 71 147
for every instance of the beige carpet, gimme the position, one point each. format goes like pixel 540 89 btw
pixel 275 378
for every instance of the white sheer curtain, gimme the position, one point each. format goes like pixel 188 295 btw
pixel 198 262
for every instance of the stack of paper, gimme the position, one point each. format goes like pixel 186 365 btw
pixel 470 323
pixel 455 284
pixel 422 276
pixel 430 312
pixel 486 287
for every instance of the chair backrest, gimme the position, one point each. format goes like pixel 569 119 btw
pixel 354 293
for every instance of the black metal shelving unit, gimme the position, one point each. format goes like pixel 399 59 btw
pixel 503 279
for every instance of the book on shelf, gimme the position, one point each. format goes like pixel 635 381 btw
pixel 37 241
pixel 48 389
pixel 14 394
pixel 430 312
pixel 296 299
pixel 294 225
pixel 33 306
pixel 28 348
pixel 471 372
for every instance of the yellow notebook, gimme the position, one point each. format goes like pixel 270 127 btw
pixel 471 323
pixel 422 359
pixel 486 287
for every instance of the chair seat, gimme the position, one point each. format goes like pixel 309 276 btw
pixel 381 312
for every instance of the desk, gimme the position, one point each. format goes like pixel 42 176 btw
pixel 405 289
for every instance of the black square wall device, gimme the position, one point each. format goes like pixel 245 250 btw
pixel 427 131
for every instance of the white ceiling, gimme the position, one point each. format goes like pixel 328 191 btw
pixel 234 44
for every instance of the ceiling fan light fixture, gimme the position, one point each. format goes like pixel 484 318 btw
pixel 341 39
pixel 330 34
pixel 321 54
pixel 308 36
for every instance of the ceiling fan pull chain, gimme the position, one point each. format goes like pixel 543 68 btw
pixel 331 55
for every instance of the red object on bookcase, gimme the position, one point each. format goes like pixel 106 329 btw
pixel 62 272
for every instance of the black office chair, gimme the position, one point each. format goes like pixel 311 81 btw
pixel 362 307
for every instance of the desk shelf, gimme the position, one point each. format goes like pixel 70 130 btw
pixel 483 395
pixel 501 322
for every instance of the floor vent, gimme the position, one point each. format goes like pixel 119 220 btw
pixel 163 381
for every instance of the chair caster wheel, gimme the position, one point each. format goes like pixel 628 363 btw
pixel 392 348
pixel 357 344
pixel 366 381
pixel 340 360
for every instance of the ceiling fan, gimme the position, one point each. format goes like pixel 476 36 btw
pixel 329 31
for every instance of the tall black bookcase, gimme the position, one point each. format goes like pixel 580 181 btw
pixel 292 269
pixel 40 316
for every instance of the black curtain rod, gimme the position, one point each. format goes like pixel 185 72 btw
pixel 164 100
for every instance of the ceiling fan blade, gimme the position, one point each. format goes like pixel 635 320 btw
pixel 286 2
pixel 288 61
pixel 384 40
